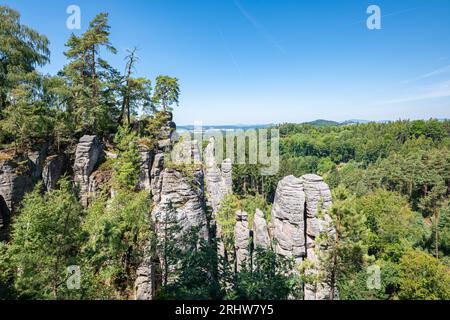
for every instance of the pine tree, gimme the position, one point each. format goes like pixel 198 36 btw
pixel 92 81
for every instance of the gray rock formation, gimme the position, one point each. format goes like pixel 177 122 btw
pixel 218 181
pixel 180 207
pixel 318 199
pixel 88 155
pixel 53 169
pixel 145 168
pixel 288 214
pixel 155 176
pixel 242 239
pixel 145 283
pixel 37 157
pixel 299 216
pixel 261 236
pixel 15 181
pixel 182 195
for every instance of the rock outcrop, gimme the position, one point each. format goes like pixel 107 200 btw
pixel 15 181
pixel 218 181
pixel 88 155
pixel 261 236
pixel 288 214
pixel 145 168
pixel 145 283
pixel 54 167
pixel 297 225
pixel 242 239
pixel 37 158
pixel 182 196
pixel 318 199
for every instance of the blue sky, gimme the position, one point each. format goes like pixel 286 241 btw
pixel 272 61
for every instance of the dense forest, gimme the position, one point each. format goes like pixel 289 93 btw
pixel 390 185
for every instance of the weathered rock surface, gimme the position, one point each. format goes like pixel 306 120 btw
pixel 261 237
pixel 318 199
pixel 297 225
pixel 242 239
pixel 37 158
pixel 182 196
pixel 88 155
pixel 218 181
pixel 288 214
pixel 155 176
pixel 15 181
pixel 145 168
pixel 53 169
pixel 145 283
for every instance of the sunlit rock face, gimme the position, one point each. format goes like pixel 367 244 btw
pixel 218 179
pixel 288 214
pixel 53 169
pixel 242 239
pixel 299 217
pixel 88 155
pixel 261 236
pixel 15 180
pixel 145 283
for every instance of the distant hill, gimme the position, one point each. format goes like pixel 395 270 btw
pixel 322 123
pixel 230 127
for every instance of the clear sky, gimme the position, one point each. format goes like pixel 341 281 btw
pixel 272 61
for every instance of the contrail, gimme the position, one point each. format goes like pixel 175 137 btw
pixel 230 53
pixel 259 27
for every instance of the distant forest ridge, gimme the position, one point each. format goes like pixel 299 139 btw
pixel 315 123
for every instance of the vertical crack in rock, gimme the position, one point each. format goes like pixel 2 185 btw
pixel 88 154
pixel 288 218
pixel 300 216
pixel 146 158
pixel 242 239
pixel 15 181
pixel 53 169
pixel 261 237
pixel 218 180
pixel 318 199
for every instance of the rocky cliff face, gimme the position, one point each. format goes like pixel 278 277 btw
pixel 146 167
pixel 182 187
pixel 261 235
pixel 218 180
pixel 288 214
pixel 15 181
pixel 88 155
pixel 242 239
pixel 54 167
pixel 183 197
pixel 297 224
pixel 299 218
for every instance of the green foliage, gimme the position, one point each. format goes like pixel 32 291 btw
pixel 394 228
pixel 197 275
pixel 45 241
pixel 118 233
pixel 167 91
pixel 226 219
pixel 423 277
pixel 270 277
pixel 250 203
pixel 91 81
pixel 126 165
pixel 21 50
